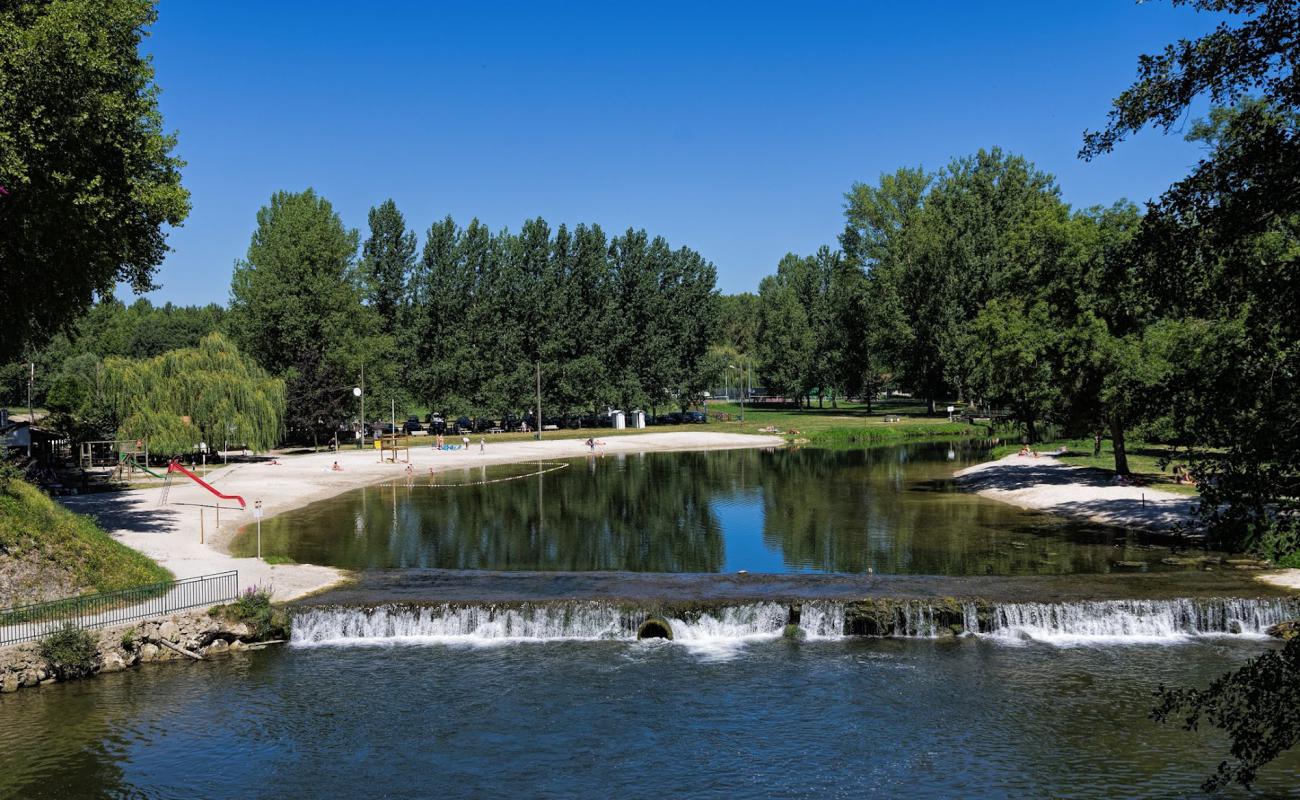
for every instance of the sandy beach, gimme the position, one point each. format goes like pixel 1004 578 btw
pixel 170 534
pixel 1047 484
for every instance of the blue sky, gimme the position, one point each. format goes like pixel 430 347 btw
pixel 734 129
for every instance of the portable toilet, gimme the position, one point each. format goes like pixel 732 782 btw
pixel 638 419
pixel 620 420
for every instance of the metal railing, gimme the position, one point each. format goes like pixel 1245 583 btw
pixel 24 623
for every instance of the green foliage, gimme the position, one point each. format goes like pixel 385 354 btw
pixel 1257 706
pixel 210 393
pixel 296 309
pixel 129 637
pixel 91 175
pixel 623 322
pixel 388 257
pixel 34 527
pixel 885 434
pixel 254 608
pixel 70 652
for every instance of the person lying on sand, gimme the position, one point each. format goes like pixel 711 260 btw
pixel 336 467
pixel 1024 450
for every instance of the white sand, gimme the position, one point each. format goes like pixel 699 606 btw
pixel 1046 484
pixel 170 534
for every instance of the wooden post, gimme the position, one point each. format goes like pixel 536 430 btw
pixel 218 516
pixel 200 526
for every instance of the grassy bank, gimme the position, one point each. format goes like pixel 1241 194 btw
pixel 46 550
pixel 1144 461
pixel 884 422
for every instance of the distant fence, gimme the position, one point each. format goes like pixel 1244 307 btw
pixel 24 623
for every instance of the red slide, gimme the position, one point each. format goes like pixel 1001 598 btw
pixel 175 466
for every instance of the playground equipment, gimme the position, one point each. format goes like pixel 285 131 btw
pixel 126 462
pixel 121 455
pixel 174 466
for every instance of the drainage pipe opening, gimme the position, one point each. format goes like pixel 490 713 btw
pixel 654 628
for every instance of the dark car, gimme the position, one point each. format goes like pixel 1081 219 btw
pixel 697 417
pixel 378 428
pixel 674 418
pixel 437 424
pixel 464 425
pixel 412 425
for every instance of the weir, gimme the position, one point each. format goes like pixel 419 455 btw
pixel 1070 622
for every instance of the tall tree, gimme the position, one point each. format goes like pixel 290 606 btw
pixel 296 309
pixel 387 261
pixel 89 175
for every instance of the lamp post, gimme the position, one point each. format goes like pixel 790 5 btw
pixel 361 434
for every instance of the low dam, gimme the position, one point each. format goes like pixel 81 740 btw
pixel 1070 622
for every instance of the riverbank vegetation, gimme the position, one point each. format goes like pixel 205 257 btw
pixel 47 551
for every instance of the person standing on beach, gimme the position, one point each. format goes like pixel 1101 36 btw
pixel 464 440
pixel 482 444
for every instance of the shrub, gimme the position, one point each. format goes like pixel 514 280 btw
pixel 70 652
pixel 128 638
pixel 254 609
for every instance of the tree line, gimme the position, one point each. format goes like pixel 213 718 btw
pixel 470 322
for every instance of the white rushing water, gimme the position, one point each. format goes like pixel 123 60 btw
pixel 1136 620
pixel 731 627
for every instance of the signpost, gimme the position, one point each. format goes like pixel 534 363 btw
pixel 257 515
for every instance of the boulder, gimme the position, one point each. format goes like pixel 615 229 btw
pixel 170 631
pixel 112 662
pixel 217 646
pixel 9 683
pixel 1285 630
pixel 148 652
pixel 30 678
pixel 237 645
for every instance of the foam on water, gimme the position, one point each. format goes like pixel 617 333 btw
pixel 725 630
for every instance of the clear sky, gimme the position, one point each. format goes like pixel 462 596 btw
pixel 734 129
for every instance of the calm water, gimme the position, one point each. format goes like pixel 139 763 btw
pixel 887 510
pixel 895 718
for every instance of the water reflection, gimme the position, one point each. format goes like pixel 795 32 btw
pixel 888 510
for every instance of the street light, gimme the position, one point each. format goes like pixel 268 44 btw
pixel 361 434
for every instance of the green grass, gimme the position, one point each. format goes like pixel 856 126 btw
pixel 36 529
pixel 1143 461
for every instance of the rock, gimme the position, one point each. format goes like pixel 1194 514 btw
pixel 1247 562
pixel 217 646
pixel 169 631
pixel 1285 631
pixel 112 662
pixel 9 683
pixel 239 630
pixel 48 681
pixel 794 632
pixel 1130 564
pixel 30 678
pixel 237 645
pixel 148 652
pixel 1174 561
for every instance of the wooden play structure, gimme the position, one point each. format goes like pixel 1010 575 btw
pixel 124 457
pixel 392 446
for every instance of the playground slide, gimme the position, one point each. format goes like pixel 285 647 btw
pixel 175 466
pixel 125 459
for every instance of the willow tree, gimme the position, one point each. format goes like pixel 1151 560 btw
pixel 209 393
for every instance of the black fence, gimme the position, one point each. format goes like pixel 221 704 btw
pixel 24 623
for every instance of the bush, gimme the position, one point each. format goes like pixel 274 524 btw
pixel 128 638
pixel 254 609
pixel 70 652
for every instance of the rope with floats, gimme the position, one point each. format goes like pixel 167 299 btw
pixel 551 466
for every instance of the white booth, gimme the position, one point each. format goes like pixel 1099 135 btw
pixel 620 420
pixel 638 419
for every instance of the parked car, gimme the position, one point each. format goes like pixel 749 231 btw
pixel 675 418
pixel 412 425
pixel 437 424
pixel 697 417
pixel 378 428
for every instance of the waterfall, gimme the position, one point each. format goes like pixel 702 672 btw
pixel 726 627
pixel 1135 620
pixel 575 621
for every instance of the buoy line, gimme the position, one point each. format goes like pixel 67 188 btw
pixel 551 466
